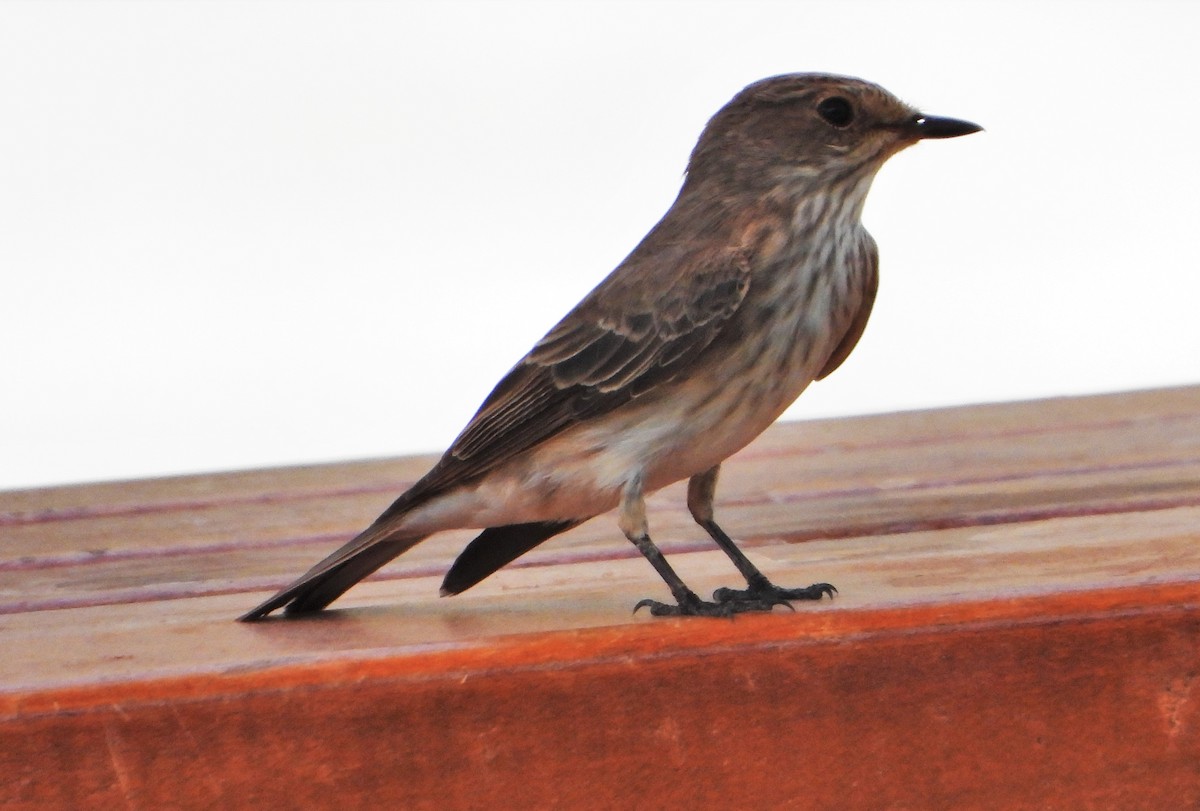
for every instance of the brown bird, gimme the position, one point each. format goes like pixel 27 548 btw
pixel 756 282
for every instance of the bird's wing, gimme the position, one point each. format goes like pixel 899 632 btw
pixel 630 335
pixel 855 330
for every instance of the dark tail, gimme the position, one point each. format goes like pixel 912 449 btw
pixel 329 579
pixel 496 547
pixel 372 548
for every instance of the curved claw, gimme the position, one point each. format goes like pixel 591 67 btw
pixel 646 602
pixel 697 608
pixel 814 592
pixel 658 609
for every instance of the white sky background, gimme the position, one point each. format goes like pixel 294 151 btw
pixel 257 233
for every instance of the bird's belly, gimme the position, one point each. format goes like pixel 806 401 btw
pixel 690 428
pixel 583 471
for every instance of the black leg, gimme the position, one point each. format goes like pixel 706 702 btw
pixel 687 603
pixel 702 489
pixel 760 589
pixel 632 520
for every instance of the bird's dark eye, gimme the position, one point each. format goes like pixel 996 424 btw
pixel 837 111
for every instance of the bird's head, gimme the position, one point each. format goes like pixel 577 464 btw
pixel 811 125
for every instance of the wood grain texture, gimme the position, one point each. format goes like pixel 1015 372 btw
pixel 1017 627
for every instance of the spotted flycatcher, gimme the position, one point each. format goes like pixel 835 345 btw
pixel 756 282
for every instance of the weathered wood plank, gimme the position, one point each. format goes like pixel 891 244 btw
pixel 1017 626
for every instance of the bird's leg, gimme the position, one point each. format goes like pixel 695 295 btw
pixel 701 489
pixel 632 521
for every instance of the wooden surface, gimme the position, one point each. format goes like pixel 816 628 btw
pixel 1018 626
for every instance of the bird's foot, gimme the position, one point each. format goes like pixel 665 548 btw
pixel 768 592
pixel 692 606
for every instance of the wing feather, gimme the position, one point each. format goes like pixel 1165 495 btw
pixel 626 338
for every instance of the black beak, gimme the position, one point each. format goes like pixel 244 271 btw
pixel 928 126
